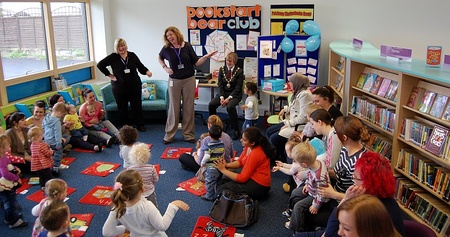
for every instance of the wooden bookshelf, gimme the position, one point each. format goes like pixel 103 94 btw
pixel 336 76
pixel 407 75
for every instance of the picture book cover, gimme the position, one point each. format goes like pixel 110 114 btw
pixel 437 139
pixel 206 227
pixel 376 85
pixel 339 82
pixel 415 97
pixel 340 65
pixel 384 87
pixel 175 152
pixel 99 195
pixel 392 91
pixel 446 113
pixel 101 168
pixel 79 223
pixel 361 80
pixel 370 80
pixel 438 106
pixel 427 101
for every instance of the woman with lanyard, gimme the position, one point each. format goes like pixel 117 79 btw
pixel 182 59
pixel 125 81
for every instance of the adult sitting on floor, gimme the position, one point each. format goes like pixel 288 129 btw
pixel 230 82
pixel 324 96
pixel 38 114
pixel 16 129
pixel 192 162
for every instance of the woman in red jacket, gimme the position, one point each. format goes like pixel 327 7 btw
pixel 254 179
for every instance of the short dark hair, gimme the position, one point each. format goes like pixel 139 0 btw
pixel 215 132
pixel 251 86
pixel 128 135
pixel 54 215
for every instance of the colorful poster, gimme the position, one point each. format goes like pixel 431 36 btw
pixel 281 14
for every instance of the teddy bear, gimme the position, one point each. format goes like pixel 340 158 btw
pixel 8 184
pixel 145 91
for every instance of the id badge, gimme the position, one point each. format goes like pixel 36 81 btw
pixel 127 70
pixel 180 66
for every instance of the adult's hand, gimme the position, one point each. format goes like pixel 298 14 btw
pixel 220 165
pixel 327 192
pixel 112 77
pixel 225 102
pixel 353 191
pixel 280 115
pixel 168 70
pixel 149 74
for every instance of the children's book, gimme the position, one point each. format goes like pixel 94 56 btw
pixel 361 80
pixel 427 101
pixel 415 97
pixel 370 80
pixel 446 113
pixel 438 106
pixel 33 180
pixel 340 65
pixel 392 91
pixel 436 142
pixel 339 83
pixel 376 85
pixel 384 87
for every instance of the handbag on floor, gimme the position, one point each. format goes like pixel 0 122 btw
pixel 238 210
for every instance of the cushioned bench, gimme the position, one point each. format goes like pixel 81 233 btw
pixel 152 109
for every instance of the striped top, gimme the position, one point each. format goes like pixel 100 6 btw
pixel 149 176
pixel 344 169
pixel 41 156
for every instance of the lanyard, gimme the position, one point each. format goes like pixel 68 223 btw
pixel 124 62
pixel 178 53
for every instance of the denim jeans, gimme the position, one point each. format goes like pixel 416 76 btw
pixel 57 154
pixel 249 123
pixel 9 205
pixel 211 177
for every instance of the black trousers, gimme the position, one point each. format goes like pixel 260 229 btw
pixel 44 176
pixel 125 94
pixel 189 162
pixel 231 110
pixel 87 145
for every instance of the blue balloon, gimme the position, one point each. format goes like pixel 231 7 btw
pixel 311 28
pixel 287 45
pixel 291 27
pixel 312 43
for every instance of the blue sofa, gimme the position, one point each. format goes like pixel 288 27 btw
pixel 152 109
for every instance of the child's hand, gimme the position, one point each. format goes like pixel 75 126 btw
pixel 313 210
pixel 305 189
pixel 279 163
pixel 244 107
pixel 180 204
pixel 275 168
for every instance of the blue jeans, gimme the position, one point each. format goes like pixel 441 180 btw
pixel 9 205
pixel 249 123
pixel 79 132
pixel 57 154
pixel 211 177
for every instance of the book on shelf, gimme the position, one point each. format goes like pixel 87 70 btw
pixel 446 113
pixel 340 65
pixel 376 85
pixel 339 83
pixel 415 97
pixel 384 87
pixel 361 80
pixel 392 91
pixel 437 140
pixel 438 106
pixel 370 80
pixel 427 101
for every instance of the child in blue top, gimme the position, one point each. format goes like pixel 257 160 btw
pixel 251 105
pixel 213 151
pixel 53 134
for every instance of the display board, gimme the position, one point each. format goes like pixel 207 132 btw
pixel 281 14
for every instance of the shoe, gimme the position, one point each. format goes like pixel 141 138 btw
pixel 166 142
pixel 236 135
pixel 116 140
pixel 20 223
pixel 205 198
pixel 63 167
pixel 287 224
pixel 191 140
pixel 110 142
pixel 287 213
pixel 286 187
pixel 99 147
pixel 141 128
pixel 55 171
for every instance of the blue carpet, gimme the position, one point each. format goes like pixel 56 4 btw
pixel 270 223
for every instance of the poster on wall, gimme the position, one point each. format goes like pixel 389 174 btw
pixel 281 14
pixel 225 29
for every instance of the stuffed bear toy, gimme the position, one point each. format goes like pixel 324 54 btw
pixel 145 92
pixel 8 184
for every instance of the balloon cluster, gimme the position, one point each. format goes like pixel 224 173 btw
pixel 310 27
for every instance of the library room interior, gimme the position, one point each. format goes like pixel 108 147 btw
pixel 389 72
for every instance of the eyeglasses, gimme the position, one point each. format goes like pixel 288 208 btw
pixel 356 179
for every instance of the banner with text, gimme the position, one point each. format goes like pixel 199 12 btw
pixel 281 14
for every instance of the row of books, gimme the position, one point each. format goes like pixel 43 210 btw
pixel 433 138
pixel 426 172
pixel 373 111
pixel 377 85
pixel 380 144
pixel 429 102
pixel 424 205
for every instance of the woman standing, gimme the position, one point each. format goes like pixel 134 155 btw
pixel 294 114
pixel 255 178
pixel 182 59
pixel 231 79
pixel 125 81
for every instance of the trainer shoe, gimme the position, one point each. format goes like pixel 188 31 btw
pixel 19 223
pixel 287 224
pixel 287 213
pixel 63 167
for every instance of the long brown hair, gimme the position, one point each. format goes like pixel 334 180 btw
pixel 177 32
pixel 128 185
pixel 352 128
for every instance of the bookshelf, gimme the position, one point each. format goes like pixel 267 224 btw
pixel 336 77
pixel 423 178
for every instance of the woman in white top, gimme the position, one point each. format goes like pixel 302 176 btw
pixel 293 114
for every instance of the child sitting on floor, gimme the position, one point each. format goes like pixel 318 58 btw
pixel 76 128
pixel 41 155
pixel 92 121
pixel 127 137
pixel 55 218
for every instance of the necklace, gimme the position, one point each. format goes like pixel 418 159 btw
pixel 228 80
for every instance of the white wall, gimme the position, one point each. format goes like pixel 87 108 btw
pixel 406 23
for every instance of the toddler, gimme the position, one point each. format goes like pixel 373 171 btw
pixel 92 121
pixel 55 190
pixel 214 150
pixel 127 137
pixel 41 155
pixel 317 176
pixel 308 131
pixel 251 105
pixel 76 127
pixel 55 218
pixel 136 214
pixel 8 195
pixel 140 155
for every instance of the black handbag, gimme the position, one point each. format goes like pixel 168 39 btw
pixel 238 210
